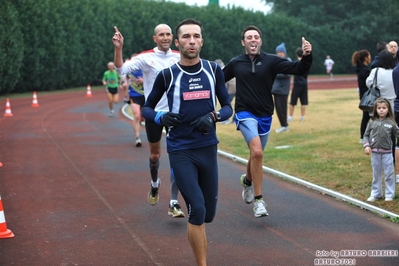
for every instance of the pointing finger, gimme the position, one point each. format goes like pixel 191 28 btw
pixel 303 40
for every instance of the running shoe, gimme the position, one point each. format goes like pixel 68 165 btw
pixel 111 113
pixel 153 195
pixel 247 192
pixel 175 210
pixel 397 179
pixel 372 199
pixel 260 208
pixel 138 142
pixel 282 129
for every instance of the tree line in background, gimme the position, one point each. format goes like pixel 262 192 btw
pixel 57 44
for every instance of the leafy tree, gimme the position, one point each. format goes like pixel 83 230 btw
pixel 11 47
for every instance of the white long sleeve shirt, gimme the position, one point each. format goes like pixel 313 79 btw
pixel 384 82
pixel 151 62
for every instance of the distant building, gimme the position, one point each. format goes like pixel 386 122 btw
pixel 213 2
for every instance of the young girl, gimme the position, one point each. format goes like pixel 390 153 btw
pixel 377 140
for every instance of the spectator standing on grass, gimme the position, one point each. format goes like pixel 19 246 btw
pixel 136 99
pixel 231 89
pixel 112 82
pixel 255 72
pixel 299 90
pixel 378 142
pixel 281 90
pixel 386 64
pixel 395 79
pixel 329 64
pixel 361 59
pixel 150 62
pixel 192 86
pixel 381 46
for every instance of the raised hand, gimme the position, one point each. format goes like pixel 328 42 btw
pixel 117 39
pixel 306 47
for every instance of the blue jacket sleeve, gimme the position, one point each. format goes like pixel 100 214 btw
pixel 155 95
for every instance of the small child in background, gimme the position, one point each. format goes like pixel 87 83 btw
pixel 377 141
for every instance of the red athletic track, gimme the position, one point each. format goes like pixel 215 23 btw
pixel 74 191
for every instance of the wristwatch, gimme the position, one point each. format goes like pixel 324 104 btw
pixel 218 117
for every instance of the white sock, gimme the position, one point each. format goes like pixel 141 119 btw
pixel 155 184
pixel 172 201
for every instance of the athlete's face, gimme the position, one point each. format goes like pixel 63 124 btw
pixel 111 66
pixel 189 41
pixel 163 37
pixel 252 43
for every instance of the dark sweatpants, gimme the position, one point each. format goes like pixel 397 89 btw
pixel 281 102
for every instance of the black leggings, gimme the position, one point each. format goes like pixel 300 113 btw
pixel 363 124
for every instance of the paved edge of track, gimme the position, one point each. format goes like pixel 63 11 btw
pixel 322 190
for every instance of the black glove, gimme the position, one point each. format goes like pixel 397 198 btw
pixel 205 123
pixel 171 120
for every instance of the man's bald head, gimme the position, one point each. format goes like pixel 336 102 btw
pixel 162 27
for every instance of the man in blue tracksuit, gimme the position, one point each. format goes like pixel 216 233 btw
pixel 191 87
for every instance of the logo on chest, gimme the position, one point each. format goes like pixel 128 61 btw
pixel 196 95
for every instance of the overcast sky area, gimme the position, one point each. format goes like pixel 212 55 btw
pixel 254 5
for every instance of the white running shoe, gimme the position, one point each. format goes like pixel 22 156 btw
pixel 111 113
pixel 372 199
pixel 290 119
pixel 397 179
pixel 302 119
pixel 282 129
pixel 260 208
pixel 247 192
pixel 138 142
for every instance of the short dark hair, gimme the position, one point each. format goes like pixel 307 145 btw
pixel 386 60
pixel 299 52
pixel 250 27
pixel 381 46
pixel 188 21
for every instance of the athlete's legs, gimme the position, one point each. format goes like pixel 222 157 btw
pixel 110 103
pixel 115 98
pixel 154 135
pixel 254 167
pixel 136 109
pixel 196 173
pixel 197 237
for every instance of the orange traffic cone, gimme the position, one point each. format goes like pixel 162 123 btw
pixel 88 93
pixel 4 232
pixel 1 164
pixel 8 108
pixel 34 101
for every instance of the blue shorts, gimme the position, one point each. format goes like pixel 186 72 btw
pixel 252 126
pixel 196 174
